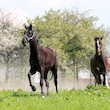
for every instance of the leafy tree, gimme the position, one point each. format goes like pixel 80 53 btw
pixel 70 33
pixel 9 40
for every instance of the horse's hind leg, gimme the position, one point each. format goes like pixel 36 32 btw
pixel 46 82
pixel 41 80
pixel 29 77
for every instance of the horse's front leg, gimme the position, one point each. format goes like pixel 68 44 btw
pixel 104 80
pixel 30 82
pixel 104 77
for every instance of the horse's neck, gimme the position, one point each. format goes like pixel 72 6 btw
pixel 96 52
pixel 98 56
pixel 34 48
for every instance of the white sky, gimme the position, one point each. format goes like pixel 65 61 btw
pixel 32 8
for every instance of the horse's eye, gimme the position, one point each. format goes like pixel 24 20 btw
pixel 30 32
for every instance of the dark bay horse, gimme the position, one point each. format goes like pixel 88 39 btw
pixel 41 59
pixel 99 63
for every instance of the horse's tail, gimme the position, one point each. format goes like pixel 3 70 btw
pixel 51 77
pixel 55 63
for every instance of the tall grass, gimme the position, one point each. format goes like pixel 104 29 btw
pixel 91 98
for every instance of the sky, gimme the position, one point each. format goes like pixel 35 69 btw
pixel 31 8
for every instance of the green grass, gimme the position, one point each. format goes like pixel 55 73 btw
pixel 91 98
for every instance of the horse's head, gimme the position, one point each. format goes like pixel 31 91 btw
pixel 28 34
pixel 98 45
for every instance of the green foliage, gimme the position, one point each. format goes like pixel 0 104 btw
pixel 61 30
pixel 70 33
pixel 91 98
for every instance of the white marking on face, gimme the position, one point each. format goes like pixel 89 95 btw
pixel 98 44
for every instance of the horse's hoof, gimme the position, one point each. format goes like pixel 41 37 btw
pixel 43 96
pixel 33 88
pixel 57 91
pixel 47 94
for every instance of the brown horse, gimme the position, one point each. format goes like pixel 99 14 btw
pixel 41 59
pixel 99 63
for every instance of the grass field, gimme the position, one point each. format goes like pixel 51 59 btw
pixel 91 98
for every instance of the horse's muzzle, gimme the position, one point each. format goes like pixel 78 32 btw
pixel 24 41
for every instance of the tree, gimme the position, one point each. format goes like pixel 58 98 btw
pixel 70 33
pixel 9 38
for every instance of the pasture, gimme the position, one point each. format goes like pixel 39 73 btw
pixel 91 98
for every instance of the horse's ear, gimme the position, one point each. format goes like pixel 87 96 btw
pixel 30 26
pixel 94 38
pixel 101 38
pixel 25 26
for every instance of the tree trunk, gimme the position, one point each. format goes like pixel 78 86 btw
pixel 6 60
pixel 75 74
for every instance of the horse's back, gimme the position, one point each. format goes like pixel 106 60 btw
pixel 49 52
